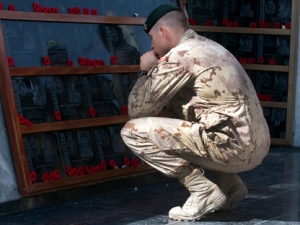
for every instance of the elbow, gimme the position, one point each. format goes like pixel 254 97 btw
pixel 132 115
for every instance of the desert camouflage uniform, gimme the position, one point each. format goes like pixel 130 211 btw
pixel 218 121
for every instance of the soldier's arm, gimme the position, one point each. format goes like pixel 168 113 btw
pixel 152 93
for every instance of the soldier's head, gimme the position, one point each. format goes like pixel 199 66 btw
pixel 165 26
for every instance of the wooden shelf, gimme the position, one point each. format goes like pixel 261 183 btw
pixel 260 67
pixel 88 179
pixel 73 124
pixel 80 70
pixel 277 141
pixel 241 30
pixel 282 105
pixel 77 70
pixel 70 18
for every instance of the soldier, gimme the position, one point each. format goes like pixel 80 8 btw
pixel 217 125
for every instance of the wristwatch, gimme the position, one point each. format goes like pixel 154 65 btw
pixel 141 73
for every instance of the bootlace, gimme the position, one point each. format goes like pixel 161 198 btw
pixel 188 202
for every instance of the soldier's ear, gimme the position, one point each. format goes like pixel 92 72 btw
pixel 161 30
pixel 164 32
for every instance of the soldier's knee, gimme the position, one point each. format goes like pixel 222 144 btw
pixel 128 128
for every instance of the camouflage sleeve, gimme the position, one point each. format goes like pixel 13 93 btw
pixel 149 96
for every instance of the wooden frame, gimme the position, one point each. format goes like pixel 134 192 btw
pixel 15 130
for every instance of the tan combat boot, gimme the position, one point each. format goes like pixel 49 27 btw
pixel 233 187
pixel 205 197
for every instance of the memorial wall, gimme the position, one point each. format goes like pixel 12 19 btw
pixel 55 155
pixel 253 48
pixel 71 65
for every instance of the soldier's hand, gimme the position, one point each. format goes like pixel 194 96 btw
pixel 148 60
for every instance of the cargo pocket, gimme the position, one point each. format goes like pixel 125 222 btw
pixel 216 144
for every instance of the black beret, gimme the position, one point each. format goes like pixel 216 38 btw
pixel 158 13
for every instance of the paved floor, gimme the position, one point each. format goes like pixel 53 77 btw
pixel 273 199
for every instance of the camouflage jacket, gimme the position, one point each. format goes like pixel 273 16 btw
pixel 200 81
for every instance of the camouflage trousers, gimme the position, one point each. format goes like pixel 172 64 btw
pixel 173 146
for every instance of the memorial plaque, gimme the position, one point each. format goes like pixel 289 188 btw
pixel 275 13
pixel 273 49
pixel 89 46
pixel 270 86
pixel 102 141
pixel 240 13
pixel 110 145
pixel 100 96
pixel 79 153
pixel 22 43
pixel 44 157
pixel 242 46
pixel 205 12
pixel 120 41
pixel 55 42
pixel 67 97
pixel 276 119
pixel 32 98
pixel 17 5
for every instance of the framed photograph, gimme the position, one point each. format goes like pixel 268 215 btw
pixel 100 96
pixel 240 13
pixel 110 145
pixel 79 153
pixel 67 97
pixel 242 46
pixel 271 86
pixel 56 41
pixel 44 157
pixel 273 49
pixel 32 98
pixel 205 12
pixel 275 13
pixel 22 43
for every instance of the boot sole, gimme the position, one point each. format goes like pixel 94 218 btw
pixel 233 200
pixel 219 202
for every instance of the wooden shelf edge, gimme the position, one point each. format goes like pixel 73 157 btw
pixel 68 18
pixel 243 30
pixel 74 124
pixel 277 141
pixel 260 67
pixel 282 105
pixel 72 70
pixel 88 179
pixel 81 70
